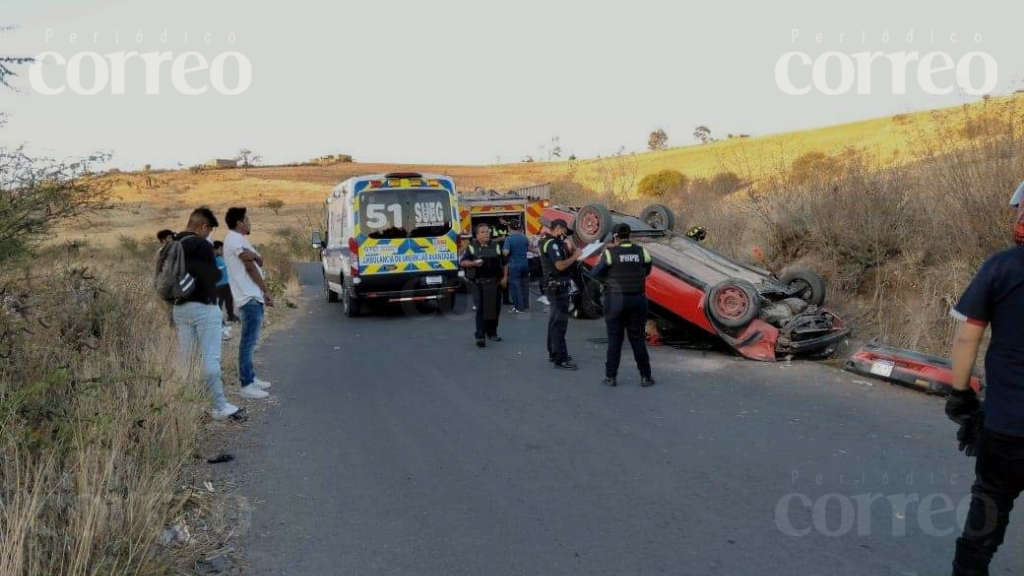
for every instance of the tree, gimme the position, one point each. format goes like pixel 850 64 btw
pixel 274 205
pixel 247 158
pixel 658 140
pixel 617 174
pixel 662 183
pixel 702 133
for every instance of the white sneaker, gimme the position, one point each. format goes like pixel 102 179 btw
pixel 252 391
pixel 263 384
pixel 225 333
pixel 544 300
pixel 227 411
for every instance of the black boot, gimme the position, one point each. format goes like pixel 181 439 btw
pixel 610 381
pixel 646 381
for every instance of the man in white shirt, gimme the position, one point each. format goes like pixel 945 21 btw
pixel 249 291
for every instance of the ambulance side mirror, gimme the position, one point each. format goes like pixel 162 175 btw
pixel 317 241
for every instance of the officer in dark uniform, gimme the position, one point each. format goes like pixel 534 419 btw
pixel 624 267
pixel 488 274
pixel 557 259
pixel 994 432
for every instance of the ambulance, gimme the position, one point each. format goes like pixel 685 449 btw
pixel 390 238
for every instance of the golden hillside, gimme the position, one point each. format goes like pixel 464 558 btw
pixel 148 202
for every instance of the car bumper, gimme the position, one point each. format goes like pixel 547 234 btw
pixel 406 286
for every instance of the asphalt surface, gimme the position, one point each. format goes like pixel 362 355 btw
pixel 395 446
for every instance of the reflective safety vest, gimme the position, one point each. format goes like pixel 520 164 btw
pixel 547 266
pixel 491 255
pixel 627 268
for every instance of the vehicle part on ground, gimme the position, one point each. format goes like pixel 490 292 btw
pixel 593 222
pixel 658 217
pixel 807 284
pixel 805 331
pixel 925 372
pixel 733 303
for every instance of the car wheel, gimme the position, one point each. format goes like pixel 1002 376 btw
pixel 329 295
pixel 349 303
pixel 733 303
pixel 809 285
pixel 593 222
pixel 659 217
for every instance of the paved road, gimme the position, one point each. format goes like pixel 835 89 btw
pixel 409 451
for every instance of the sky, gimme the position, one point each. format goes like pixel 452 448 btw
pixel 469 81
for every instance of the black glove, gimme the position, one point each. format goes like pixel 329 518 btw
pixel 962 405
pixel 969 433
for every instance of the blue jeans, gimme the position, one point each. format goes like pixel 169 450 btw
pixel 199 331
pixel 252 322
pixel 519 286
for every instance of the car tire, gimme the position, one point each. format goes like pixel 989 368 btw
pixel 733 303
pixel 349 303
pixel 811 285
pixel 659 217
pixel 329 295
pixel 593 222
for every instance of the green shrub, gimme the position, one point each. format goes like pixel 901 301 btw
pixel 662 183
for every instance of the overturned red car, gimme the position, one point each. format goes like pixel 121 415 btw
pixel 760 315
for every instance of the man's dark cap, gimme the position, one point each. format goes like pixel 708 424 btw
pixel 622 230
pixel 559 222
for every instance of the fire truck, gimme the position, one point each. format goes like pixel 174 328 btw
pixel 523 205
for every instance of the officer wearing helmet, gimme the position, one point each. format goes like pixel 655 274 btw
pixel 624 268
pixel 697 234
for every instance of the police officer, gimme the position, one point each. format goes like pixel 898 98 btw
pixel 488 274
pixel 995 434
pixel 557 259
pixel 624 267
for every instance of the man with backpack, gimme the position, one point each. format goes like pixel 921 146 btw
pixel 187 276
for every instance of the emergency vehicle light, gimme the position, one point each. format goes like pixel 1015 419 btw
pixel 400 175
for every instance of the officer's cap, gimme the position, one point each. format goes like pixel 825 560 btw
pixel 559 222
pixel 622 230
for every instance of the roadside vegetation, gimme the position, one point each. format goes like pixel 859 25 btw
pixel 99 429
